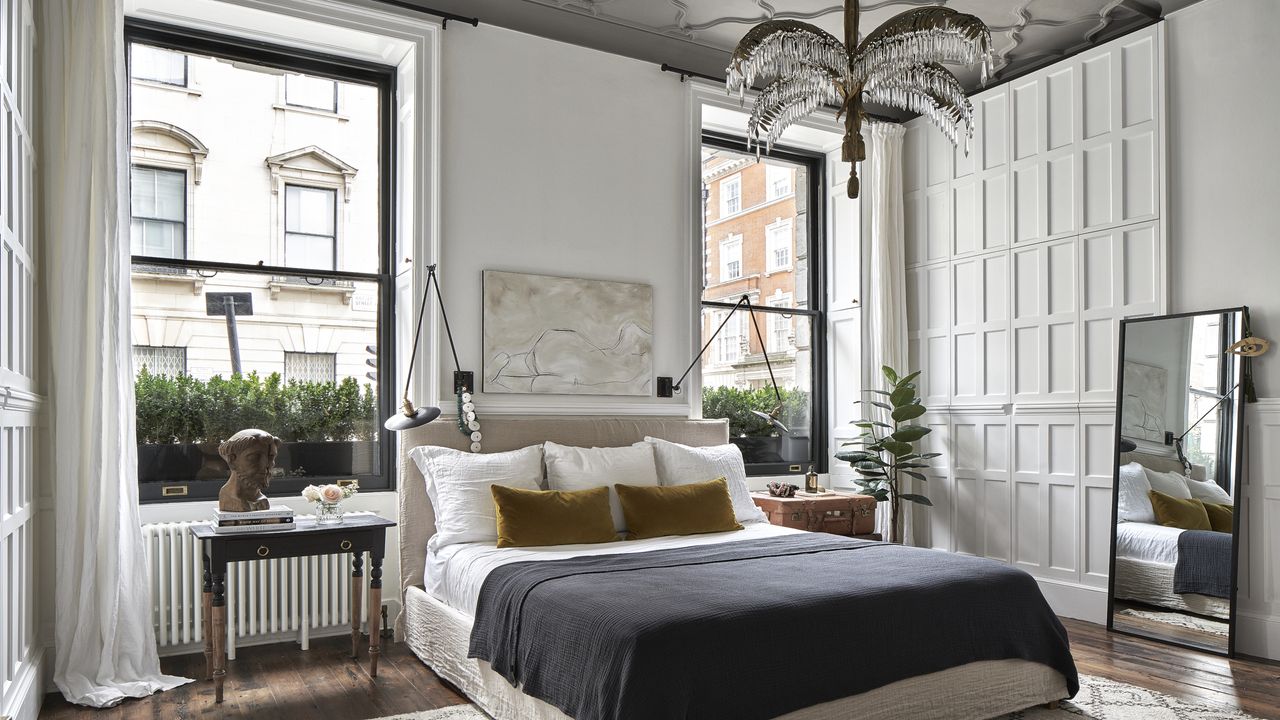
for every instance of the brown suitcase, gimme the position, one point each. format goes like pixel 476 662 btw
pixel 831 512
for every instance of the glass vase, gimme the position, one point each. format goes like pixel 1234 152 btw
pixel 328 513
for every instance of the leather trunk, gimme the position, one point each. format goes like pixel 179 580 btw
pixel 831 512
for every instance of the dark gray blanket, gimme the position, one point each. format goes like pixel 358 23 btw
pixel 1204 563
pixel 753 629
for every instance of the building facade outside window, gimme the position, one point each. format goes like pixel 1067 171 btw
pixel 763 231
pixel 244 206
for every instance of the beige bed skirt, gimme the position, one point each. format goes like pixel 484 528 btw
pixel 1152 584
pixel 439 636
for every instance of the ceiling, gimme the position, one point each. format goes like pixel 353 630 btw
pixel 698 35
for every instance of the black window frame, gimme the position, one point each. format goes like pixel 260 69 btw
pixel 186 206
pixel 341 69
pixel 285 223
pixel 817 287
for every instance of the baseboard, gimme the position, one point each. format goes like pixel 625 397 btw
pixel 1073 600
pixel 1258 635
pixel 26 693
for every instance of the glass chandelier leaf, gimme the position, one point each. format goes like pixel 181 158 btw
pixel 898 64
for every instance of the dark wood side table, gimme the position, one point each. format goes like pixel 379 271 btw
pixel 357 534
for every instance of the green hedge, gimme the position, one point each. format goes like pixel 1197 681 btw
pixel 184 409
pixel 737 404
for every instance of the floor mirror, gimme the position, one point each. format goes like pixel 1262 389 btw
pixel 1175 521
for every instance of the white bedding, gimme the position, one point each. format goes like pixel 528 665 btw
pixel 455 573
pixel 1147 542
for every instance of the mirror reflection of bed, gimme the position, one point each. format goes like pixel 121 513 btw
pixel 1179 412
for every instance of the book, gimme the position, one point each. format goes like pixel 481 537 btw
pixel 235 529
pixel 256 521
pixel 277 511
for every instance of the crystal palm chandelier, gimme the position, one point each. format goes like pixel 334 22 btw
pixel 899 65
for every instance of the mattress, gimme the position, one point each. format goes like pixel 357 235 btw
pixel 455 573
pixel 1147 542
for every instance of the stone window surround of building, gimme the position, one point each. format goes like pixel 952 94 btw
pixel 282 104
pixel 734 180
pixel 777 321
pixel 772 175
pixel 306 167
pixel 771 231
pixel 166 146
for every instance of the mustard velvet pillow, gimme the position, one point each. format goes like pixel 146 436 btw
pixel 1178 513
pixel 1220 516
pixel 552 517
pixel 655 511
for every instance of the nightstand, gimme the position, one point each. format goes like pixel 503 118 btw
pixel 356 534
pixel 830 512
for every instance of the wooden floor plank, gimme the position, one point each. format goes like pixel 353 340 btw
pixel 280 682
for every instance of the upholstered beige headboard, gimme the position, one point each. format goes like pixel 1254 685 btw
pixel 417 518
pixel 1162 463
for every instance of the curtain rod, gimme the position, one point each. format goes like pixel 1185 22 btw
pixel 703 76
pixel 473 22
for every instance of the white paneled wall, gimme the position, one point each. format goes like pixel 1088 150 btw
pixel 1023 256
pixel 20 403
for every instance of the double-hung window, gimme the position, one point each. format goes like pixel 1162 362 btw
pixel 310 227
pixel 731 258
pixel 158 205
pixel 773 253
pixel 261 286
pixel 778 238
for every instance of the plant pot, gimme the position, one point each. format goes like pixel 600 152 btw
pixel 759 449
pixel 169 462
pixel 328 459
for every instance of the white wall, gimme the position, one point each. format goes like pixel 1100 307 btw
pixel 559 160
pixel 1224 169
pixel 1022 258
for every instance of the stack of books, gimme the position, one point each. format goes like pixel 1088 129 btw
pixel 270 520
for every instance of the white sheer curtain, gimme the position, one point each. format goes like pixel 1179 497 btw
pixel 885 306
pixel 105 645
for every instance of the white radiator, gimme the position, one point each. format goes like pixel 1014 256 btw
pixel 267 600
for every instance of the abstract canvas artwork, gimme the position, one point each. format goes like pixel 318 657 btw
pixel 1145 397
pixel 567 336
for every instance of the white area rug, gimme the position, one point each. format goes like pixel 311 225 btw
pixel 1098 699
pixel 1177 619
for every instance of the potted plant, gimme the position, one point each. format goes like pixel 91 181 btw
pixel 885 451
pixel 758 440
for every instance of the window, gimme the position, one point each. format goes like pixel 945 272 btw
pixel 777 241
pixel 160 360
pixel 731 195
pixel 777 180
pixel 293 253
pixel 311 92
pixel 158 65
pixel 158 204
pixel 1205 388
pixel 778 246
pixel 310 238
pixel 731 258
pixel 779 325
pixel 310 367
pixel 729 341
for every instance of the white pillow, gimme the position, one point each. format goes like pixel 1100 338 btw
pixel 578 468
pixel 1208 491
pixel 1133 504
pixel 1170 483
pixel 681 465
pixel 458 484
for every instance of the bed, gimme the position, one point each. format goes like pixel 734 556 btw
pixel 1147 556
pixel 442 590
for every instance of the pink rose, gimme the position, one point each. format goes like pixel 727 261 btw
pixel 331 493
